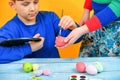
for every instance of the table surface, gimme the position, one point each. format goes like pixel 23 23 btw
pixel 61 68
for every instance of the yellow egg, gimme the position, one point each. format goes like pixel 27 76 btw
pixel 35 67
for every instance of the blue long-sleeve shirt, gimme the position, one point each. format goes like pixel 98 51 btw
pixel 46 26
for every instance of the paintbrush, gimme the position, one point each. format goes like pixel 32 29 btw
pixel 62 12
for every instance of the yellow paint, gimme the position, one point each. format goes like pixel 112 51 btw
pixel 74 8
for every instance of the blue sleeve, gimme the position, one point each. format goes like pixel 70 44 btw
pixel 9 54
pixel 107 12
pixel 106 16
pixel 64 33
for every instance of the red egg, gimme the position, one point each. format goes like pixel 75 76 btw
pixel 80 66
pixel 60 41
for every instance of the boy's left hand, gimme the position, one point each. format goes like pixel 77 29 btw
pixel 36 45
pixel 67 22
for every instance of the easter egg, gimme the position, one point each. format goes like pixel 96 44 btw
pixel 36 78
pixel 27 67
pixel 46 72
pixel 35 67
pixel 60 41
pixel 91 69
pixel 80 66
pixel 99 66
pixel 38 72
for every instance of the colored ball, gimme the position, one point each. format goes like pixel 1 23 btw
pixel 27 67
pixel 99 66
pixel 46 72
pixel 36 78
pixel 38 73
pixel 80 66
pixel 91 69
pixel 35 67
pixel 60 41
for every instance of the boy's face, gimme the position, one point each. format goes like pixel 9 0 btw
pixel 26 9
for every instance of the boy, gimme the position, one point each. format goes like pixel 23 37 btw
pixel 30 22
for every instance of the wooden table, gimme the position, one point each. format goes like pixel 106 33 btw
pixel 61 68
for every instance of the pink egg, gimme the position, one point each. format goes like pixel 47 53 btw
pixel 91 69
pixel 60 41
pixel 46 72
pixel 80 66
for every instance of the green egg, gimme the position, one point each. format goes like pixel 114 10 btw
pixel 99 66
pixel 27 67
pixel 36 78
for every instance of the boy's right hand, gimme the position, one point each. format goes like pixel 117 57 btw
pixel 36 45
pixel 67 22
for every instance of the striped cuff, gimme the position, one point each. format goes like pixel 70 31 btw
pixel 93 24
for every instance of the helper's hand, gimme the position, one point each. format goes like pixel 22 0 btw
pixel 67 22
pixel 74 35
pixel 85 17
pixel 36 45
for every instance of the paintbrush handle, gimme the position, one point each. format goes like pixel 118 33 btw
pixel 62 13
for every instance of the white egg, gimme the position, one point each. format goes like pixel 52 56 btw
pixel 91 69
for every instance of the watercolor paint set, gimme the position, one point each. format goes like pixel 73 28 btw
pixel 78 77
pixel 82 77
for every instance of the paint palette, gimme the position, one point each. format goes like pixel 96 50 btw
pixel 78 77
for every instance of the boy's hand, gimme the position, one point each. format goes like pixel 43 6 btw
pixel 36 45
pixel 67 22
